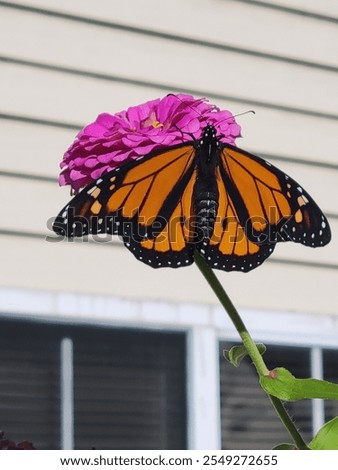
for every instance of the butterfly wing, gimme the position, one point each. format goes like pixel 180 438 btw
pixel 259 205
pixel 229 248
pixel 271 206
pixel 143 200
pixel 173 245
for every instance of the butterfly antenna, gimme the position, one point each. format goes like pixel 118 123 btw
pixel 250 111
pixel 195 110
pixel 186 104
pixel 183 133
pixel 245 112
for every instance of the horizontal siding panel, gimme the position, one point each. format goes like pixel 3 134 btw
pixel 324 7
pixel 76 267
pixel 48 95
pixel 43 94
pixel 32 149
pixel 298 252
pixel 120 53
pixel 232 23
pixel 287 134
pixel 31 205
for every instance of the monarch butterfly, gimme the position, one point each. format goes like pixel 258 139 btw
pixel 231 206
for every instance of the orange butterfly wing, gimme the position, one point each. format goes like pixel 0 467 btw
pixel 146 201
pixel 229 248
pixel 271 206
pixel 173 245
pixel 259 205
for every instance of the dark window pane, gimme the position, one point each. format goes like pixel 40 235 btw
pixel 29 384
pixel 129 390
pixel 248 419
pixel 330 359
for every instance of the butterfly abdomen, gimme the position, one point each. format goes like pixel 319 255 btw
pixel 206 206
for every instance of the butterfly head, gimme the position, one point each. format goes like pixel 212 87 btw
pixel 209 133
pixel 208 140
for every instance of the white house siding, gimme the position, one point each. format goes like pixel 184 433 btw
pixel 62 63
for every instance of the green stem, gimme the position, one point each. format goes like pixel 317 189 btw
pixel 249 344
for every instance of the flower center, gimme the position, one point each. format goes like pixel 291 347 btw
pixel 152 121
pixel 157 124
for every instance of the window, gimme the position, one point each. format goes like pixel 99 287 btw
pixel 129 386
pixel 330 360
pixel 29 384
pixel 129 390
pixel 248 419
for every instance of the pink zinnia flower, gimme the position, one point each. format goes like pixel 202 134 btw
pixel 113 139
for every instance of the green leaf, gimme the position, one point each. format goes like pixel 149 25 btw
pixel 237 353
pixel 283 385
pixel 285 447
pixel 327 437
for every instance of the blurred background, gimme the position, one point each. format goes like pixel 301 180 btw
pixel 97 349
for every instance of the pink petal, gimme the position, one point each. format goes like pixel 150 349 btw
pixel 99 172
pixel 106 120
pixel 144 150
pixel 91 162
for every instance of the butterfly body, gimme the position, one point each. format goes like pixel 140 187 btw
pixel 206 195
